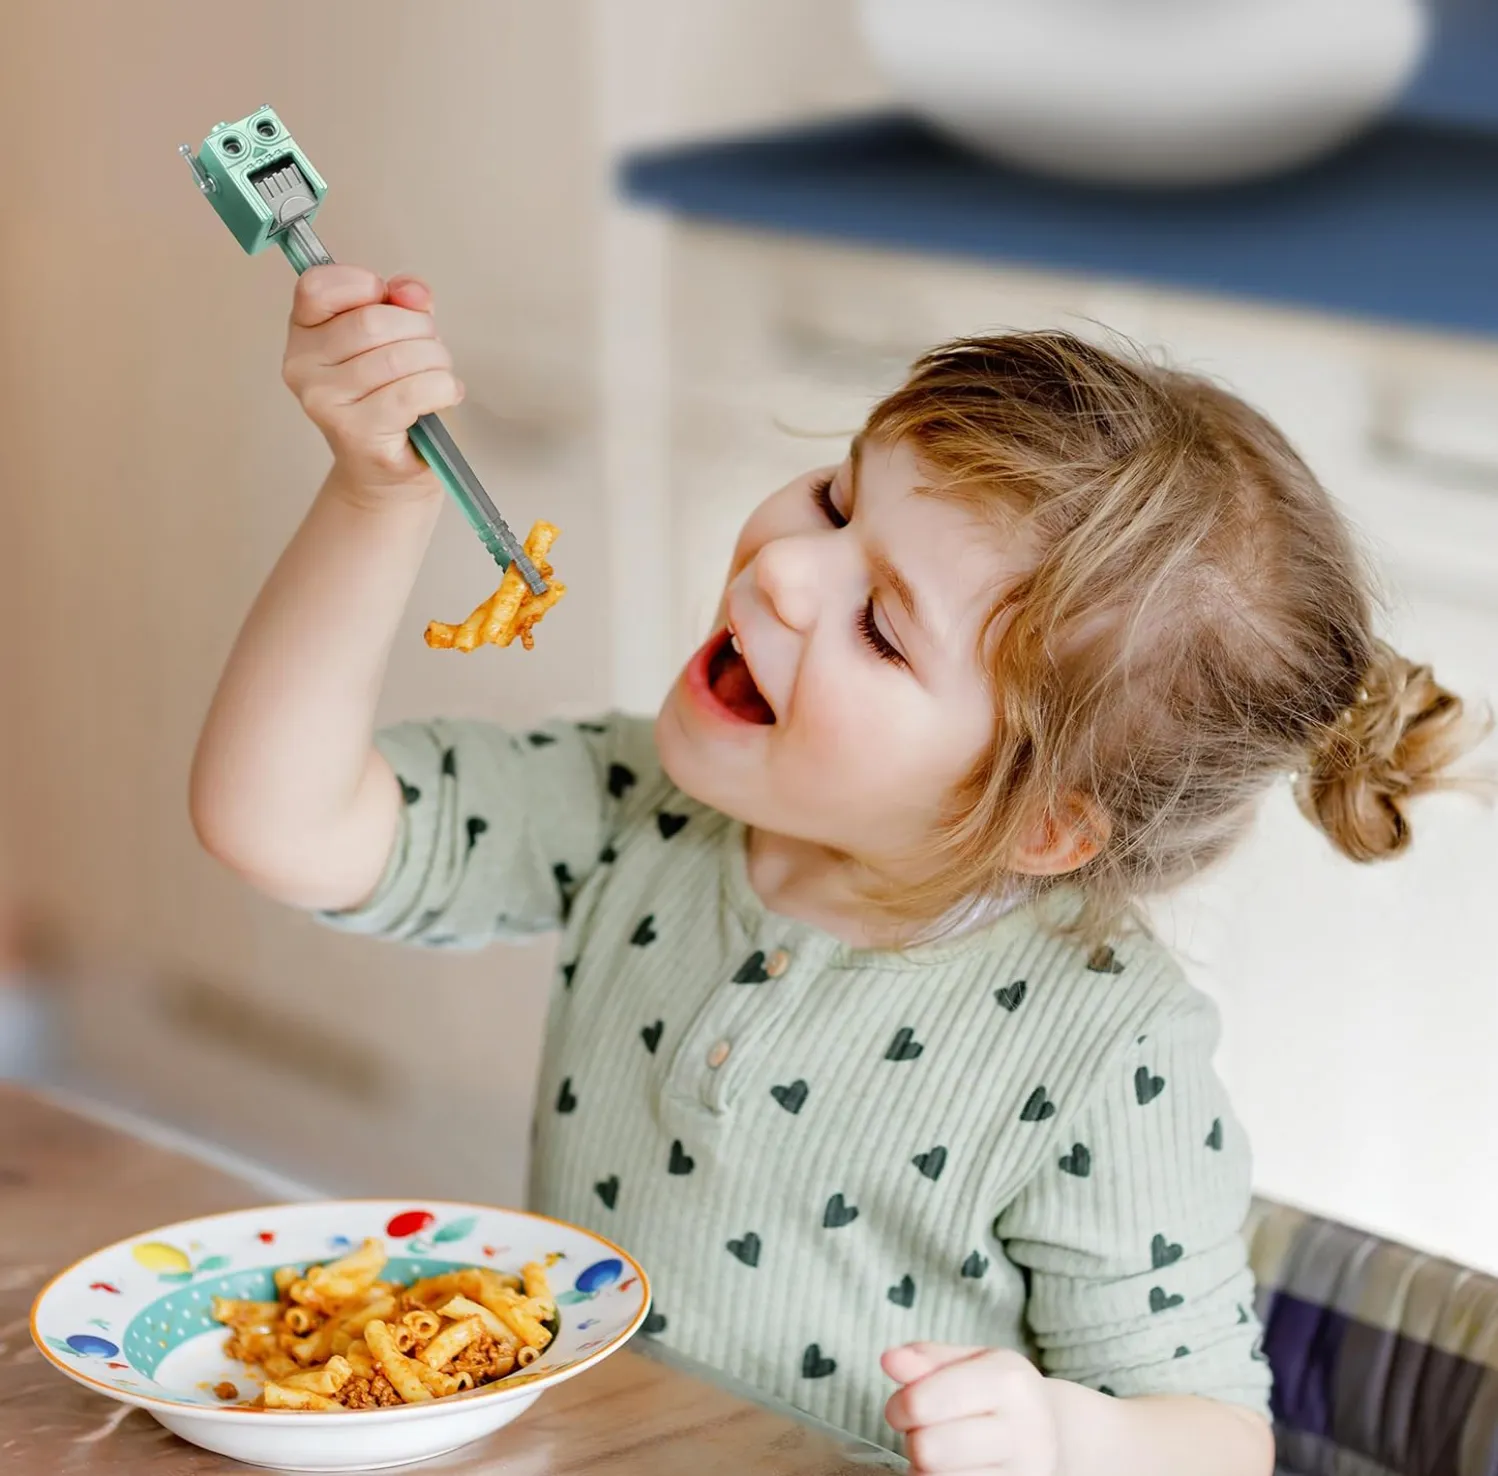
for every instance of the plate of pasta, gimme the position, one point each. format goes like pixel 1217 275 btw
pixel 349 1335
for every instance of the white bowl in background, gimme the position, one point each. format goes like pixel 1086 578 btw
pixel 1148 92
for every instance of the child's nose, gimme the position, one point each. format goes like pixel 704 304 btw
pixel 786 573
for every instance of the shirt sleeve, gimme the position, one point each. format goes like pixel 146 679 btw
pixel 1131 1235
pixel 499 830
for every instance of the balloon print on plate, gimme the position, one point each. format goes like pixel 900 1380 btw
pixel 412 1225
pixel 173 1265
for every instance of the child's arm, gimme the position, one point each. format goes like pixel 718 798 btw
pixel 1140 1293
pixel 287 787
pixel 1166 1435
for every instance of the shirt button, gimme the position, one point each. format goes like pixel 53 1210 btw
pixel 777 963
pixel 719 1054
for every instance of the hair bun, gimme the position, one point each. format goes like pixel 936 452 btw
pixel 1396 741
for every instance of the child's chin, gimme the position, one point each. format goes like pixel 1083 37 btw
pixel 687 762
pixel 679 747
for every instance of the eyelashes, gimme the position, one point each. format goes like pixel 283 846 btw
pixel 821 495
pixel 873 637
pixel 868 624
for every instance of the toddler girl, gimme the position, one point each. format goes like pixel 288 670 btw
pixel 854 1041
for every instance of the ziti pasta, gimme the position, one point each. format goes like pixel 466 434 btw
pixel 338 1337
pixel 512 610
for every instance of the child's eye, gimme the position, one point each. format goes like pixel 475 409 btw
pixel 874 638
pixel 821 494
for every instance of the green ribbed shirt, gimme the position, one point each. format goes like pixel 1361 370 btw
pixel 819 1152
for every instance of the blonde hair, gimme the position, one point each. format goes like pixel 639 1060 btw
pixel 1194 623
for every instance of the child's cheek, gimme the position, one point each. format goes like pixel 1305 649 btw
pixel 839 708
pixel 784 514
pixel 752 537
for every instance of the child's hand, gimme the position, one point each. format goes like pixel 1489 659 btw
pixel 973 1410
pixel 364 359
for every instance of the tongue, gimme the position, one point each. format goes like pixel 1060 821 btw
pixel 735 689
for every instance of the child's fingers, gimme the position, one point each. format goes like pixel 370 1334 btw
pixel 409 292
pixel 915 1360
pixel 322 292
pixel 364 359
pixel 967 1446
pixel 374 430
pixel 986 1381
pixel 397 405
pixel 367 373
pixel 360 330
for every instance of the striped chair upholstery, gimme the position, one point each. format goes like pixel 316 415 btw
pixel 1385 1359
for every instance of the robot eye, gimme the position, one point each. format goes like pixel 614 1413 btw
pixel 266 127
pixel 232 146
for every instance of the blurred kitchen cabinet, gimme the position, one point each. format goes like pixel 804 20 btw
pixel 1358 1001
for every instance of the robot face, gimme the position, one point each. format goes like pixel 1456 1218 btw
pixel 253 140
pixel 285 191
pixel 267 127
pixel 257 179
pixel 231 146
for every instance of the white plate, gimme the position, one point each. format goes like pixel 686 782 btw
pixel 133 1322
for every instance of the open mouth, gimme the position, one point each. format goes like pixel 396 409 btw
pixel 732 683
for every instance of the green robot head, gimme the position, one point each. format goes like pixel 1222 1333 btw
pixel 255 176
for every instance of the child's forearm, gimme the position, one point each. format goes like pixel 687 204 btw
pixel 286 786
pixel 1159 1436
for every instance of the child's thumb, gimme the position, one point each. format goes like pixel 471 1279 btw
pixel 409 292
pixel 916 1360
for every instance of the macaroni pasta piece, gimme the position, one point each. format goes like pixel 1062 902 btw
pixel 340 1338
pixel 512 610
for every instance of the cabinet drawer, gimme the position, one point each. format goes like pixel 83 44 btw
pixel 746 309
pixel 1401 428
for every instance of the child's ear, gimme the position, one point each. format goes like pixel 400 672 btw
pixel 1064 839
